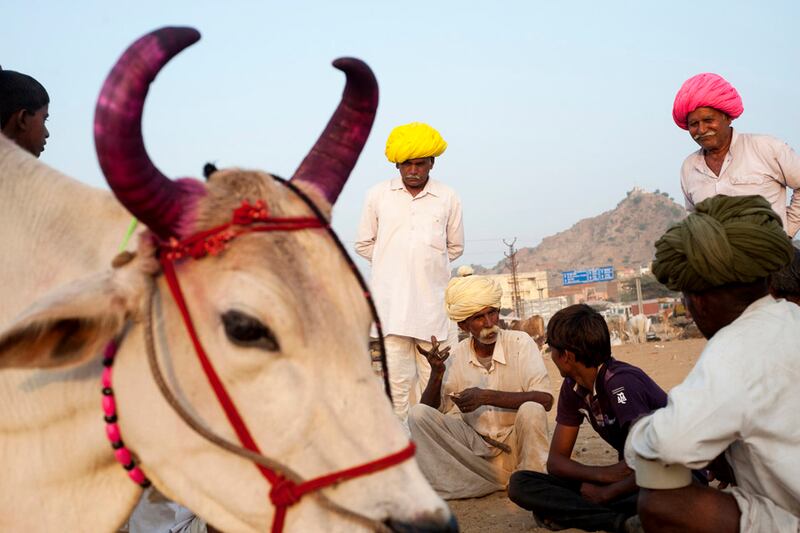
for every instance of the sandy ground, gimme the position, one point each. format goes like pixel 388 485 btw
pixel 666 362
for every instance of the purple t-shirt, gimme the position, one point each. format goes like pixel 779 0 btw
pixel 623 393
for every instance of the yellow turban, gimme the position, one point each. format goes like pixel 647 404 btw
pixel 414 141
pixel 728 239
pixel 468 295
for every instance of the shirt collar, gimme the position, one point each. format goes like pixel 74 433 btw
pixel 601 371
pixel 498 355
pixel 432 187
pixel 764 301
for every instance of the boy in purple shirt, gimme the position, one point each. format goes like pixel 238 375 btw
pixel 611 395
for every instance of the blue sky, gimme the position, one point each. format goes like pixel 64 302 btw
pixel 552 110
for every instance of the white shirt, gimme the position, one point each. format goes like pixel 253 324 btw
pixel 742 397
pixel 754 164
pixel 517 366
pixel 410 242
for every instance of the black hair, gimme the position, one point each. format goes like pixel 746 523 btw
pixel 208 169
pixel 19 91
pixel 786 282
pixel 583 331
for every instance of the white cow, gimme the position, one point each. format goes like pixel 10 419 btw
pixel 637 328
pixel 307 393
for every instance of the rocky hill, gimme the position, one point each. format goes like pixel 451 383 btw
pixel 623 237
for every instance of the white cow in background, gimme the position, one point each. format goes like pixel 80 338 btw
pixel 308 393
pixel 637 328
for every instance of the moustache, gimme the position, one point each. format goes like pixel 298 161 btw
pixel 485 333
pixel 704 136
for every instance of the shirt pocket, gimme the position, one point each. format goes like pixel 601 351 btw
pixel 436 227
pixel 749 179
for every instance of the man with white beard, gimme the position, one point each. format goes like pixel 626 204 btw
pixel 482 415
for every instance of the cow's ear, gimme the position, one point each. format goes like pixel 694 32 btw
pixel 69 326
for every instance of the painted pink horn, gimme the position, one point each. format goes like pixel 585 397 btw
pixel 329 163
pixel 149 195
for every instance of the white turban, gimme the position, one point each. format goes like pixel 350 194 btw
pixel 468 295
pixel 465 270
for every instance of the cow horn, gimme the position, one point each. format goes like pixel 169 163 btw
pixel 329 163
pixel 148 194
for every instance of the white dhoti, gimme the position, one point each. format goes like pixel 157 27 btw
pixel 459 463
pixel 762 515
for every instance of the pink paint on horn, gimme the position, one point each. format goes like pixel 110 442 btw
pixel 329 163
pixel 112 432
pixel 137 475
pixel 109 405
pixel 165 206
pixel 123 456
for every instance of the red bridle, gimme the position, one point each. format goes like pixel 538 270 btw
pixel 246 219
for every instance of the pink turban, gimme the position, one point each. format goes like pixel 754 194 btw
pixel 706 90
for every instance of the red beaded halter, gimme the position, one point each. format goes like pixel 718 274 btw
pixel 285 492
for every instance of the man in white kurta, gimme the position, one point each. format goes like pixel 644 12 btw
pixel 739 404
pixel 410 230
pixel 482 415
pixel 729 162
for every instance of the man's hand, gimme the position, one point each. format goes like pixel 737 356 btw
pixel 594 493
pixel 435 358
pixel 617 472
pixel 720 470
pixel 469 399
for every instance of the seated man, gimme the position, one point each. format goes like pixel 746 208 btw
pixel 481 416
pixel 739 404
pixel 611 395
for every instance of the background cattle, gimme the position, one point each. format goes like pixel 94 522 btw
pixel 533 326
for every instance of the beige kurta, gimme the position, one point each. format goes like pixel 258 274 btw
pixel 517 366
pixel 755 164
pixel 410 242
pixel 451 451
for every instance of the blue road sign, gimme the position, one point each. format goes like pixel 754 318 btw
pixel 592 275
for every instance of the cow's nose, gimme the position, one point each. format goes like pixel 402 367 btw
pixel 423 526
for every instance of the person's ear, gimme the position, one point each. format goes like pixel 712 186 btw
pixel 463 326
pixel 16 122
pixel 433 160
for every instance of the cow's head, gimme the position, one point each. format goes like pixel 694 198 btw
pixel 280 314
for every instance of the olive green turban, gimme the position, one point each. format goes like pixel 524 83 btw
pixel 468 295
pixel 414 141
pixel 728 239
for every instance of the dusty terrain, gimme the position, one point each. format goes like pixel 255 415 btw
pixel 666 362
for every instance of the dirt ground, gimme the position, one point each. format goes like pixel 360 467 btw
pixel 666 362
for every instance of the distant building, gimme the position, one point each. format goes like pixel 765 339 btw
pixel 533 287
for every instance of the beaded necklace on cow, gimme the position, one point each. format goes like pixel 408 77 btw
pixel 287 487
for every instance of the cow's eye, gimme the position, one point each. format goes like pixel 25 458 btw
pixel 244 330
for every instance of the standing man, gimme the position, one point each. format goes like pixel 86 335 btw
pixel 410 230
pixel 24 106
pixel 611 395
pixel 737 410
pixel 728 162
pixel 482 416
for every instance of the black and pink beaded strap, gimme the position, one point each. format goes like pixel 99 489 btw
pixel 121 452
